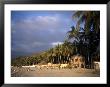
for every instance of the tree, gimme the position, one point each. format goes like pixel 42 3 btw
pixel 89 36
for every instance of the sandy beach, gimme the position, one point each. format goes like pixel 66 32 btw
pixel 34 72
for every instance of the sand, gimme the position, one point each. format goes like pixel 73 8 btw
pixel 34 72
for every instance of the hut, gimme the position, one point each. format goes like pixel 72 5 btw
pixel 78 61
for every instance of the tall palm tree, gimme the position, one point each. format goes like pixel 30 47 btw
pixel 91 21
pixel 68 49
pixel 77 38
pixel 50 55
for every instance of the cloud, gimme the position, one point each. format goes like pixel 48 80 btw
pixel 38 22
pixel 50 23
pixel 36 33
pixel 56 43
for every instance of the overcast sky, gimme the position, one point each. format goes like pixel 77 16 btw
pixel 35 31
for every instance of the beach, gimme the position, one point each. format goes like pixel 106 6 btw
pixel 34 72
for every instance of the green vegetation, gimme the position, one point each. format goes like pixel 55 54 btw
pixel 80 40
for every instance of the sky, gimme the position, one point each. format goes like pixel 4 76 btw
pixel 37 31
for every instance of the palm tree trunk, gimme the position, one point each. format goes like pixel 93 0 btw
pixel 60 59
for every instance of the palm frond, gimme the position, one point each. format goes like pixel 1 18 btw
pixel 77 14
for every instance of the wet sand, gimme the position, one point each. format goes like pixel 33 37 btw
pixel 34 72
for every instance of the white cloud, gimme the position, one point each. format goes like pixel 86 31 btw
pixel 56 43
pixel 47 19
pixel 50 23
pixel 38 22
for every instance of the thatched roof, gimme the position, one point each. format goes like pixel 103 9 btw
pixel 77 56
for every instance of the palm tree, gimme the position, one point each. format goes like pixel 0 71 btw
pixel 91 21
pixel 77 38
pixel 68 50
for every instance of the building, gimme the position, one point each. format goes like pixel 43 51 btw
pixel 78 61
